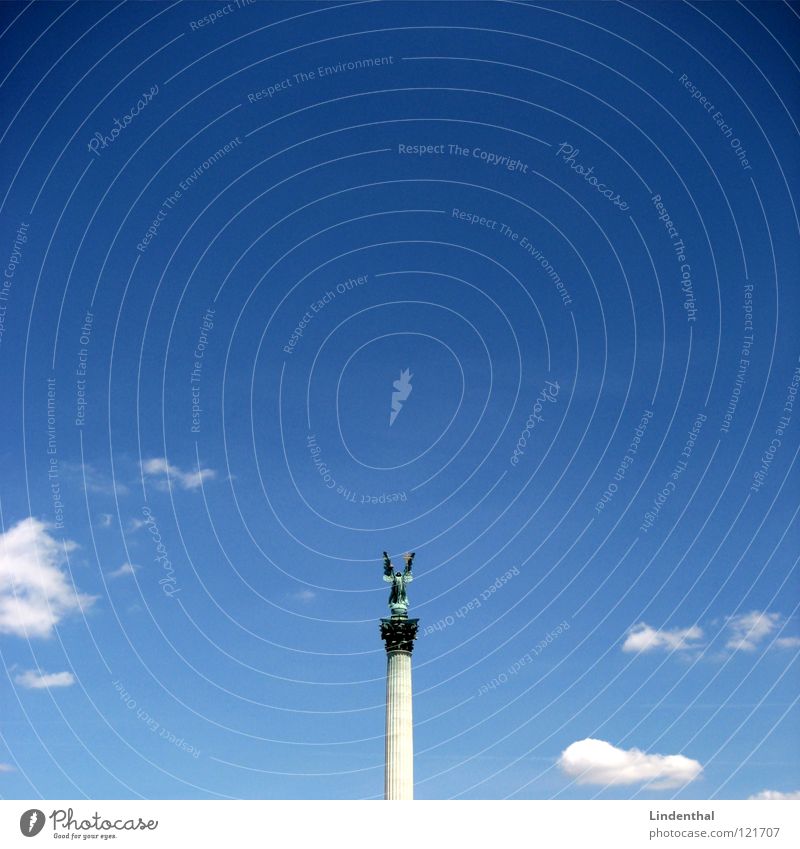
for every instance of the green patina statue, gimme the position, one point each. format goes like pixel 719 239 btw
pixel 398 598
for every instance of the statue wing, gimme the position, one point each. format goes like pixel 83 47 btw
pixel 388 577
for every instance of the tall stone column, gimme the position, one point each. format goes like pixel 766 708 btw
pixel 398 634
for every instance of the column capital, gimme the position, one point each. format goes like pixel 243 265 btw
pixel 399 634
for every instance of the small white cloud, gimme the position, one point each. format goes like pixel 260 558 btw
pixel 776 794
pixel 86 475
pixel 36 593
pixel 135 524
pixel 125 569
pixel 304 595
pixel 787 642
pixel 36 679
pixel 6 768
pixel 592 761
pixel 747 630
pixel 644 638
pixel 164 472
pixel 104 520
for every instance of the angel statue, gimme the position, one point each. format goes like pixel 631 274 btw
pixel 398 600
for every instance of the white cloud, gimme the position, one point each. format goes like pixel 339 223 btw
pixel 304 595
pixel 33 679
pixel 104 520
pixel 787 642
pixel 6 768
pixel 86 475
pixel 125 569
pixel 35 591
pixel 644 638
pixel 776 794
pixel 159 468
pixel 598 762
pixel 747 630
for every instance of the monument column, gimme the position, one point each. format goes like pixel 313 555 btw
pixel 398 634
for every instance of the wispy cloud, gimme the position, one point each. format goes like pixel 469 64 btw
pixel 592 761
pixel 125 569
pixel 35 591
pixel 305 596
pixel 164 472
pixel 747 630
pixel 645 638
pixel 741 632
pixel 104 520
pixel 95 480
pixel 776 794
pixel 6 768
pixel 36 679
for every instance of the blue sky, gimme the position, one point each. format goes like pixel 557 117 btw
pixel 227 230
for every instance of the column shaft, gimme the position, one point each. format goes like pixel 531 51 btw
pixel 399 777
